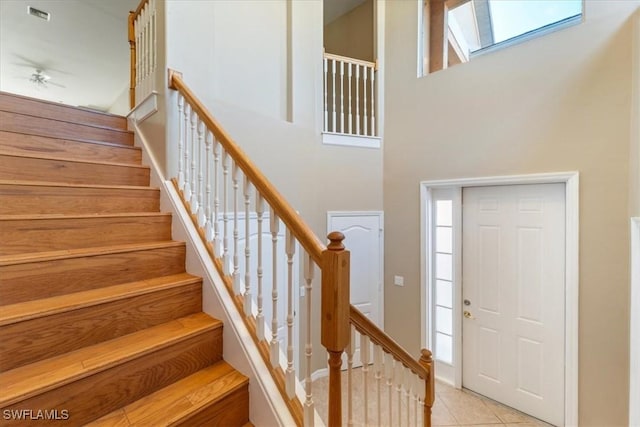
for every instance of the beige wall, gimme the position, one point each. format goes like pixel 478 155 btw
pixel 634 154
pixel 352 34
pixel 557 103
pixel 257 65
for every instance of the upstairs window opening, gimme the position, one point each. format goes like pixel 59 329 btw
pixel 455 31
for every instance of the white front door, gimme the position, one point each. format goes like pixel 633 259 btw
pixel 513 290
pixel 363 238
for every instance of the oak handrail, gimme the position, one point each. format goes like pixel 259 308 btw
pixel 289 216
pixel 366 327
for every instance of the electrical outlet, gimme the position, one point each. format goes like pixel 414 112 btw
pixel 398 280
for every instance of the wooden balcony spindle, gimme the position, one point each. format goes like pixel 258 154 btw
pixel 426 361
pixel 335 306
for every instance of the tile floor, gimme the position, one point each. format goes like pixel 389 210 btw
pixel 452 407
pixel 464 408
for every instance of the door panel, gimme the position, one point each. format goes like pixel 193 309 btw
pixel 363 238
pixel 513 275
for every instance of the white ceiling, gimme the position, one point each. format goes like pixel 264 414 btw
pixel 83 47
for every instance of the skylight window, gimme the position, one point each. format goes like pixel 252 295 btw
pixel 482 24
pixel 474 27
pixel 514 18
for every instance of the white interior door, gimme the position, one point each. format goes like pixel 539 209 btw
pixel 513 291
pixel 363 238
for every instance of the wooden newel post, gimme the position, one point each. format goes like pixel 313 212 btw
pixel 430 385
pixel 335 334
pixel 132 49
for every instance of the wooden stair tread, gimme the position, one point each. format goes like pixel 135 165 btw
pixel 70 185
pixel 35 217
pixel 84 252
pixel 72 160
pixel 20 103
pixel 47 306
pixel 178 400
pixel 30 380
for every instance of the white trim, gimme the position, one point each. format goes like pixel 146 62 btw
pixel 571 181
pixel 634 326
pixel 146 108
pixel 360 141
pixel 380 215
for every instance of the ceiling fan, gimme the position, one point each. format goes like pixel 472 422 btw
pixel 42 80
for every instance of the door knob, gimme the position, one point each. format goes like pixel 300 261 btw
pixel 468 315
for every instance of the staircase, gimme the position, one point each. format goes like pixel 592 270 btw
pixel 100 324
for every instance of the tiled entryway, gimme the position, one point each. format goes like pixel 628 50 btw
pixel 464 408
pixel 452 407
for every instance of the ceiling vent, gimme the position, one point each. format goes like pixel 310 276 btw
pixel 38 13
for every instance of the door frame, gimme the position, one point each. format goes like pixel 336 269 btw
pixel 571 181
pixel 380 215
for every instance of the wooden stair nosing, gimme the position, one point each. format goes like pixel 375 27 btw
pixel 66 184
pixel 73 172
pixel 86 123
pixel 59 273
pixel 34 257
pixel 84 323
pixel 30 380
pixel 70 199
pixel 180 400
pixel 17 142
pixel 72 160
pixel 35 309
pixel 34 125
pixel 29 233
pixel 15 103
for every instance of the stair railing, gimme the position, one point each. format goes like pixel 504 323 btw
pixel 256 240
pixel 142 46
pixel 349 96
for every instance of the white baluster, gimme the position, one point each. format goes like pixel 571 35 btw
pixel 247 248
pixel 408 381
pixel 378 370
pixel 193 201
pixel 333 98
pixel 326 105
pixel 364 102
pixel 414 397
pixel 154 50
pixel 290 249
pixel 350 66
pixel 421 398
pixel 186 193
pixel 308 349
pixel 225 213
pixel 342 97
pixel 200 215
pixel 180 142
pixel 260 315
pixel 398 380
pixel 236 231
pixel 373 97
pixel 364 357
pixel 389 375
pixel 275 345
pixel 208 230
pixel 216 197
pixel 357 99
pixel 350 349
